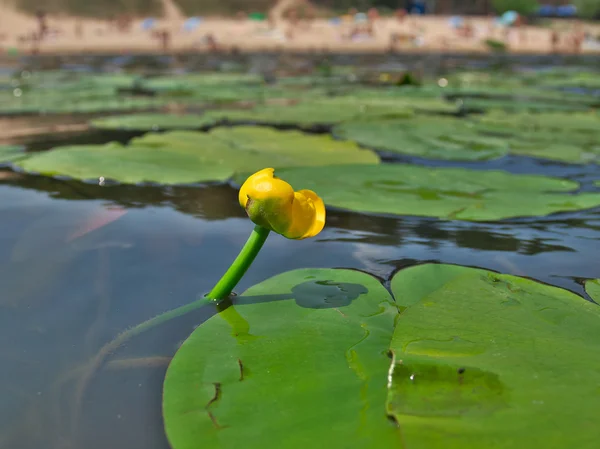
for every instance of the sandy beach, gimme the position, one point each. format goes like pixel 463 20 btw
pixel 176 33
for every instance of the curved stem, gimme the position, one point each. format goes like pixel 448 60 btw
pixel 240 265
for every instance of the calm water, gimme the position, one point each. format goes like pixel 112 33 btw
pixel 66 293
pixel 68 288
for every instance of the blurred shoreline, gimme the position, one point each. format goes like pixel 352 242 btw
pixel 20 35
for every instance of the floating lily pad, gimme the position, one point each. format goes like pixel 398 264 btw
pixel 588 80
pixel 592 287
pixel 451 193
pixel 435 138
pixel 420 99
pixel 573 137
pixel 10 153
pixel 320 112
pixel 56 103
pixel 517 104
pixel 153 122
pixel 180 157
pixel 477 359
pixel 193 81
pixel 487 360
pixel 521 95
pixel 585 124
pixel 299 358
pixel 491 136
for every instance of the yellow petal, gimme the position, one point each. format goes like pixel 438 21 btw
pixel 319 218
pixel 308 216
pixel 272 203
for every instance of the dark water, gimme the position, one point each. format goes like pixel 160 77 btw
pixel 68 289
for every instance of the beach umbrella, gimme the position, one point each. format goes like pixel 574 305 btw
pixel 566 11
pixel 456 21
pixel 148 24
pixel 418 7
pixel 191 24
pixel 509 17
pixel 360 17
pixel 546 11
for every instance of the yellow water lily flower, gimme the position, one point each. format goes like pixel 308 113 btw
pixel 272 203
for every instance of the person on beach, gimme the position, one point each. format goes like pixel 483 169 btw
pixel 42 23
pixel 554 40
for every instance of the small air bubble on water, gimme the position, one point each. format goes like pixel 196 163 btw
pixel 17 92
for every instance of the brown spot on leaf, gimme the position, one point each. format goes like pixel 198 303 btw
pixel 241 365
pixel 214 399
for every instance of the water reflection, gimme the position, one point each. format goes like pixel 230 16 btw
pixel 69 288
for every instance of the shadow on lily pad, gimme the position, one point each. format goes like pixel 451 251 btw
pixel 310 295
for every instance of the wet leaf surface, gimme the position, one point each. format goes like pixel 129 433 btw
pixel 312 339
pixel 490 360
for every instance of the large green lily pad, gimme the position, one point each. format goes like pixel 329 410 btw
pixel 490 360
pixel 153 122
pixel 429 137
pixel 450 193
pixel 300 358
pixel 181 157
pixel 477 359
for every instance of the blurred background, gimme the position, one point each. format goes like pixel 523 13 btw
pixel 93 247
pixel 528 26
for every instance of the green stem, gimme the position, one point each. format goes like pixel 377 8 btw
pixel 220 291
pixel 240 265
